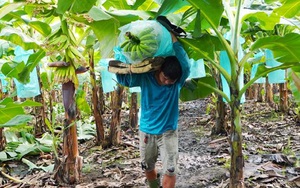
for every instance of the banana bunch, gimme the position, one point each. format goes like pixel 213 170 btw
pixel 141 45
pixel 65 74
pixel 57 41
pixel 73 53
pixel 44 11
pixel 64 46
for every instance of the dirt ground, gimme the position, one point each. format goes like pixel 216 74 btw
pixel 271 148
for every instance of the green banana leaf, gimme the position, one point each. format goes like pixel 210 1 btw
pixel 12 69
pixel 194 89
pixel 20 71
pixel 98 14
pixel 211 10
pixel 45 81
pixel 124 5
pixel 31 149
pixel 74 6
pixel 108 37
pixel 203 47
pixel 289 9
pixel 170 6
pixel 10 109
pixel 285 49
pixel 270 1
pixel 3 156
pixel 19 38
pixel 266 21
pixel 22 150
pixel 24 144
pixel 32 166
pixel 85 130
pixel 81 101
pixel 41 27
pixel 17 120
pixel 9 7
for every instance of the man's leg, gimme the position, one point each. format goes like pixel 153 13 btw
pixel 169 153
pixel 169 181
pixel 149 154
pixel 151 175
pixel 153 179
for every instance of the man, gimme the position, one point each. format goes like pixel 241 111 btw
pixel 159 114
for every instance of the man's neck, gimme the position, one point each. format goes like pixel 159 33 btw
pixel 156 76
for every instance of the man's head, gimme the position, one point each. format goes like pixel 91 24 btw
pixel 170 71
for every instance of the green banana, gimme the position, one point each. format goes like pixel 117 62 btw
pixel 70 53
pixel 70 72
pixel 126 42
pixel 65 74
pixel 72 38
pixel 63 45
pixel 54 34
pixel 139 53
pixel 59 74
pixel 141 45
pixel 126 47
pixel 149 42
pixel 147 52
pixel 56 40
pixel 130 47
pixel 76 52
pixel 133 54
pixel 145 32
pixel 46 12
pixel 148 36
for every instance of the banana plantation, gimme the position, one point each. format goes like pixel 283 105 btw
pixel 66 122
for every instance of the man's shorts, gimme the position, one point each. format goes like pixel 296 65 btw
pixel 166 144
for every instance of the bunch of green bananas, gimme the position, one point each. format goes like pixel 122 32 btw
pixel 65 74
pixel 141 45
pixel 57 41
pixel 60 42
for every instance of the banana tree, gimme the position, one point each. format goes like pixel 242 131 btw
pixel 284 49
pixel 68 169
pixel 60 44
pixel 294 78
pixel 254 31
pixel 95 99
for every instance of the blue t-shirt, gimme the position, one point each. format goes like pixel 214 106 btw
pixel 159 103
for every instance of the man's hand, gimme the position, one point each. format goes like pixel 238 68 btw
pixel 177 31
pixel 174 38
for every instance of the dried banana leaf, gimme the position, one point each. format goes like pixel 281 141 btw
pixel 147 65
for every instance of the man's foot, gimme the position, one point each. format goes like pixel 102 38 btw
pixel 155 183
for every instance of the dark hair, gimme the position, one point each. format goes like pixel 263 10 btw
pixel 171 68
